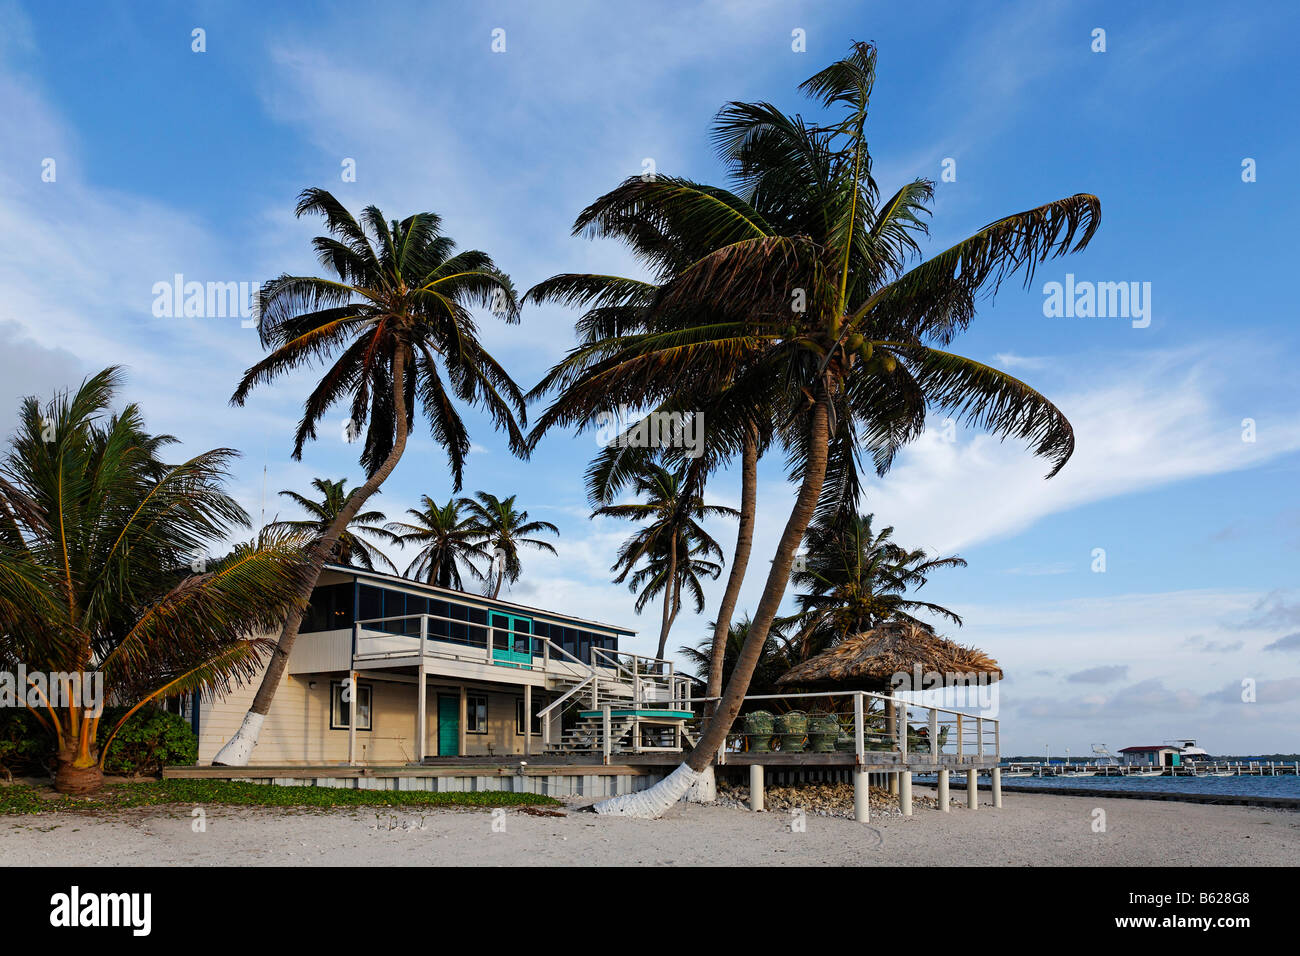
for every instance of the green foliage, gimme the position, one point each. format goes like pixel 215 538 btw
pixel 150 740
pixel 25 746
pixel 22 800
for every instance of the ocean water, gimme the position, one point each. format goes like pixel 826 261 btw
pixel 1244 786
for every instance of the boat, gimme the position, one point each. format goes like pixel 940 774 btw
pixel 1146 773
pixel 1079 773
pixel 1016 773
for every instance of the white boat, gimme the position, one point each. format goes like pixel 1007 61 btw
pixel 1079 773
pixel 1223 773
pixel 1146 773
pixel 1016 773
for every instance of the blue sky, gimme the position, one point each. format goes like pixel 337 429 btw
pixel 170 161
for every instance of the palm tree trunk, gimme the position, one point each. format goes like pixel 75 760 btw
pixel 669 597
pixel 653 802
pixel 739 563
pixel 239 748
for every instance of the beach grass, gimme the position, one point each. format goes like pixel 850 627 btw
pixel 23 799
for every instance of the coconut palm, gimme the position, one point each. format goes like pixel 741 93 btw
pixel 855 579
pixel 351 548
pixel 396 326
pixel 502 531
pixel 447 541
pixel 104 573
pixel 852 336
pixel 669 543
pixel 617 308
pixel 773 661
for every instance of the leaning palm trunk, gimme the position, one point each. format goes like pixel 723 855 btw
pixel 239 748
pixel 656 800
pixel 739 563
pixel 670 599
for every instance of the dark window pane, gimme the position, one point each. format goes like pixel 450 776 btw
pixel 478 615
pixel 372 603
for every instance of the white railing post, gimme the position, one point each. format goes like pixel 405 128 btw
pixel 352 719
pixel 859 732
pixel 934 734
pixel 979 736
pixel 960 742
pixel 605 744
pixel 420 731
pixel 901 712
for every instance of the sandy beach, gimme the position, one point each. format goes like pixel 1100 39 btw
pixel 1031 829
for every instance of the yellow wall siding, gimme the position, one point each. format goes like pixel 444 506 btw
pixel 297 729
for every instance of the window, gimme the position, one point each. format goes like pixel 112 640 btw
pixel 519 717
pixel 340 708
pixel 330 609
pixel 476 714
pixel 371 603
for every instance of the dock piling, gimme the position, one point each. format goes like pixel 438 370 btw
pixel 972 789
pixel 942 794
pixel 756 787
pixel 996 784
pixel 861 795
pixel 905 792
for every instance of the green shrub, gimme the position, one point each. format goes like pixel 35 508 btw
pixel 26 748
pixel 150 740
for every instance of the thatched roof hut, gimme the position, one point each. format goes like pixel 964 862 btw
pixel 871 659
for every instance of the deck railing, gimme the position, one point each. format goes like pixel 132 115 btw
pixel 862 723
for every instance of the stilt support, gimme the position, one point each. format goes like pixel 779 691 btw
pixel 861 796
pixel 941 795
pixel 972 789
pixel 755 787
pixel 905 792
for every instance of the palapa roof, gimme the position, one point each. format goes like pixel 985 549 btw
pixel 872 658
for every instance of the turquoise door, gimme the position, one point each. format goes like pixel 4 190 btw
pixel 512 640
pixel 448 726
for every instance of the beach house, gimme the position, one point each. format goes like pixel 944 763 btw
pixel 1152 755
pixel 391 671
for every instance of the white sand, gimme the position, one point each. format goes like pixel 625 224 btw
pixel 1030 829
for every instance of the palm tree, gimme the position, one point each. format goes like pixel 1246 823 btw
pixel 851 340
pixel 397 318
pixel 856 579
pixel 670 545
pixel 104 574
pixel 502 531
pixel 773 661
pixel 617 307
pixel 447 541
pixel 351 548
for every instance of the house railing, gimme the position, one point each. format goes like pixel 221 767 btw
pixel 866 724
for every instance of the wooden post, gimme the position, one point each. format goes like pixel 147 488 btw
pixel 861 795
pixel 979 736
pixel 959 733
pixel 422 722
pixel 905 792
pixel 528 720
pixel 352 720
pixel 464 714
pixel 942 793
pixel 605 742
pixel 859 743
pixel 934 734
pixel 972 789
pixel 755 787
pixel 996 777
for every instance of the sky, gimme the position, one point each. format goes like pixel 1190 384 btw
pixel 1147 592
